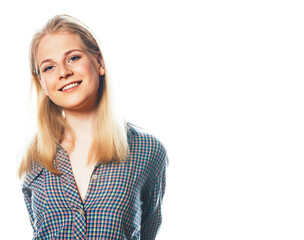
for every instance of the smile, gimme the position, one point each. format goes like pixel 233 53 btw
pixel 69 86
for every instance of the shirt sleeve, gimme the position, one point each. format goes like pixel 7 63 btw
pixel 28 202
pixel 27 191
pixel 152 201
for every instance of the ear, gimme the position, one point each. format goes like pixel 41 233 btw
pixel 101 65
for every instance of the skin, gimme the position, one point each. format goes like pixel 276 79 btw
pixel 62 59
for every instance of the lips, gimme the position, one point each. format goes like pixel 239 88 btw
pixel 70 85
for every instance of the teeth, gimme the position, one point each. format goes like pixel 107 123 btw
pixel 70 86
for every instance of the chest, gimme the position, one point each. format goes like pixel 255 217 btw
pixel 81 170
pixel 102 187
pixel 97 184
pixel 113 197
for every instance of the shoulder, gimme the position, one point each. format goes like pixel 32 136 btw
pixel 148 148
pixel 32 174
pixel 146 141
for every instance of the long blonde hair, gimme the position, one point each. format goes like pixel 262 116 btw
pixel 109 143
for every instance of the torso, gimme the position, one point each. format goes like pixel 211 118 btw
pixel 116 206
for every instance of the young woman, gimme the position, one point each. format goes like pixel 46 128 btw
pixel 86 174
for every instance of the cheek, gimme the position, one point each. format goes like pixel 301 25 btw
pixel 88 70
pixel 47 84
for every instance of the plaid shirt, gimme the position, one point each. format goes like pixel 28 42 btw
pixel 123 201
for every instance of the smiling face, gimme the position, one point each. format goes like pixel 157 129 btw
pixel 69 74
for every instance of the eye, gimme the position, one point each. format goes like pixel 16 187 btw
pixel 74 58
pixel 47 68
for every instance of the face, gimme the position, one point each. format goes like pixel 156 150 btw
pixel 69 74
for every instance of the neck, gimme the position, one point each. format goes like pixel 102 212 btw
pixel 81 123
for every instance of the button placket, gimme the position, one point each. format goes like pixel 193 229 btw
pixel 92 185
pixel 81 211
pixel 80 224
pixel 95 171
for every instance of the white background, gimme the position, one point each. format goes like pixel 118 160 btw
pixel 220 83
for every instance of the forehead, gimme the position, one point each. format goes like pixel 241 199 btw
pixel 52 46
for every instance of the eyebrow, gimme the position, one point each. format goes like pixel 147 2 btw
pixel 65 54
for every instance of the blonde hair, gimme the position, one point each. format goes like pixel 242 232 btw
pixel 109 143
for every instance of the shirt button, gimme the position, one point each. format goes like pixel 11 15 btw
pixel 80 211
pixel 94 176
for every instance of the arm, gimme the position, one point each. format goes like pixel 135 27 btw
pixel 28 202
pixel 152 200
pixel 27 189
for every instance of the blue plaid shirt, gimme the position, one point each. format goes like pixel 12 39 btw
pixel 123 201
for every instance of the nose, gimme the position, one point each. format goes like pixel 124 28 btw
pixel 65 72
